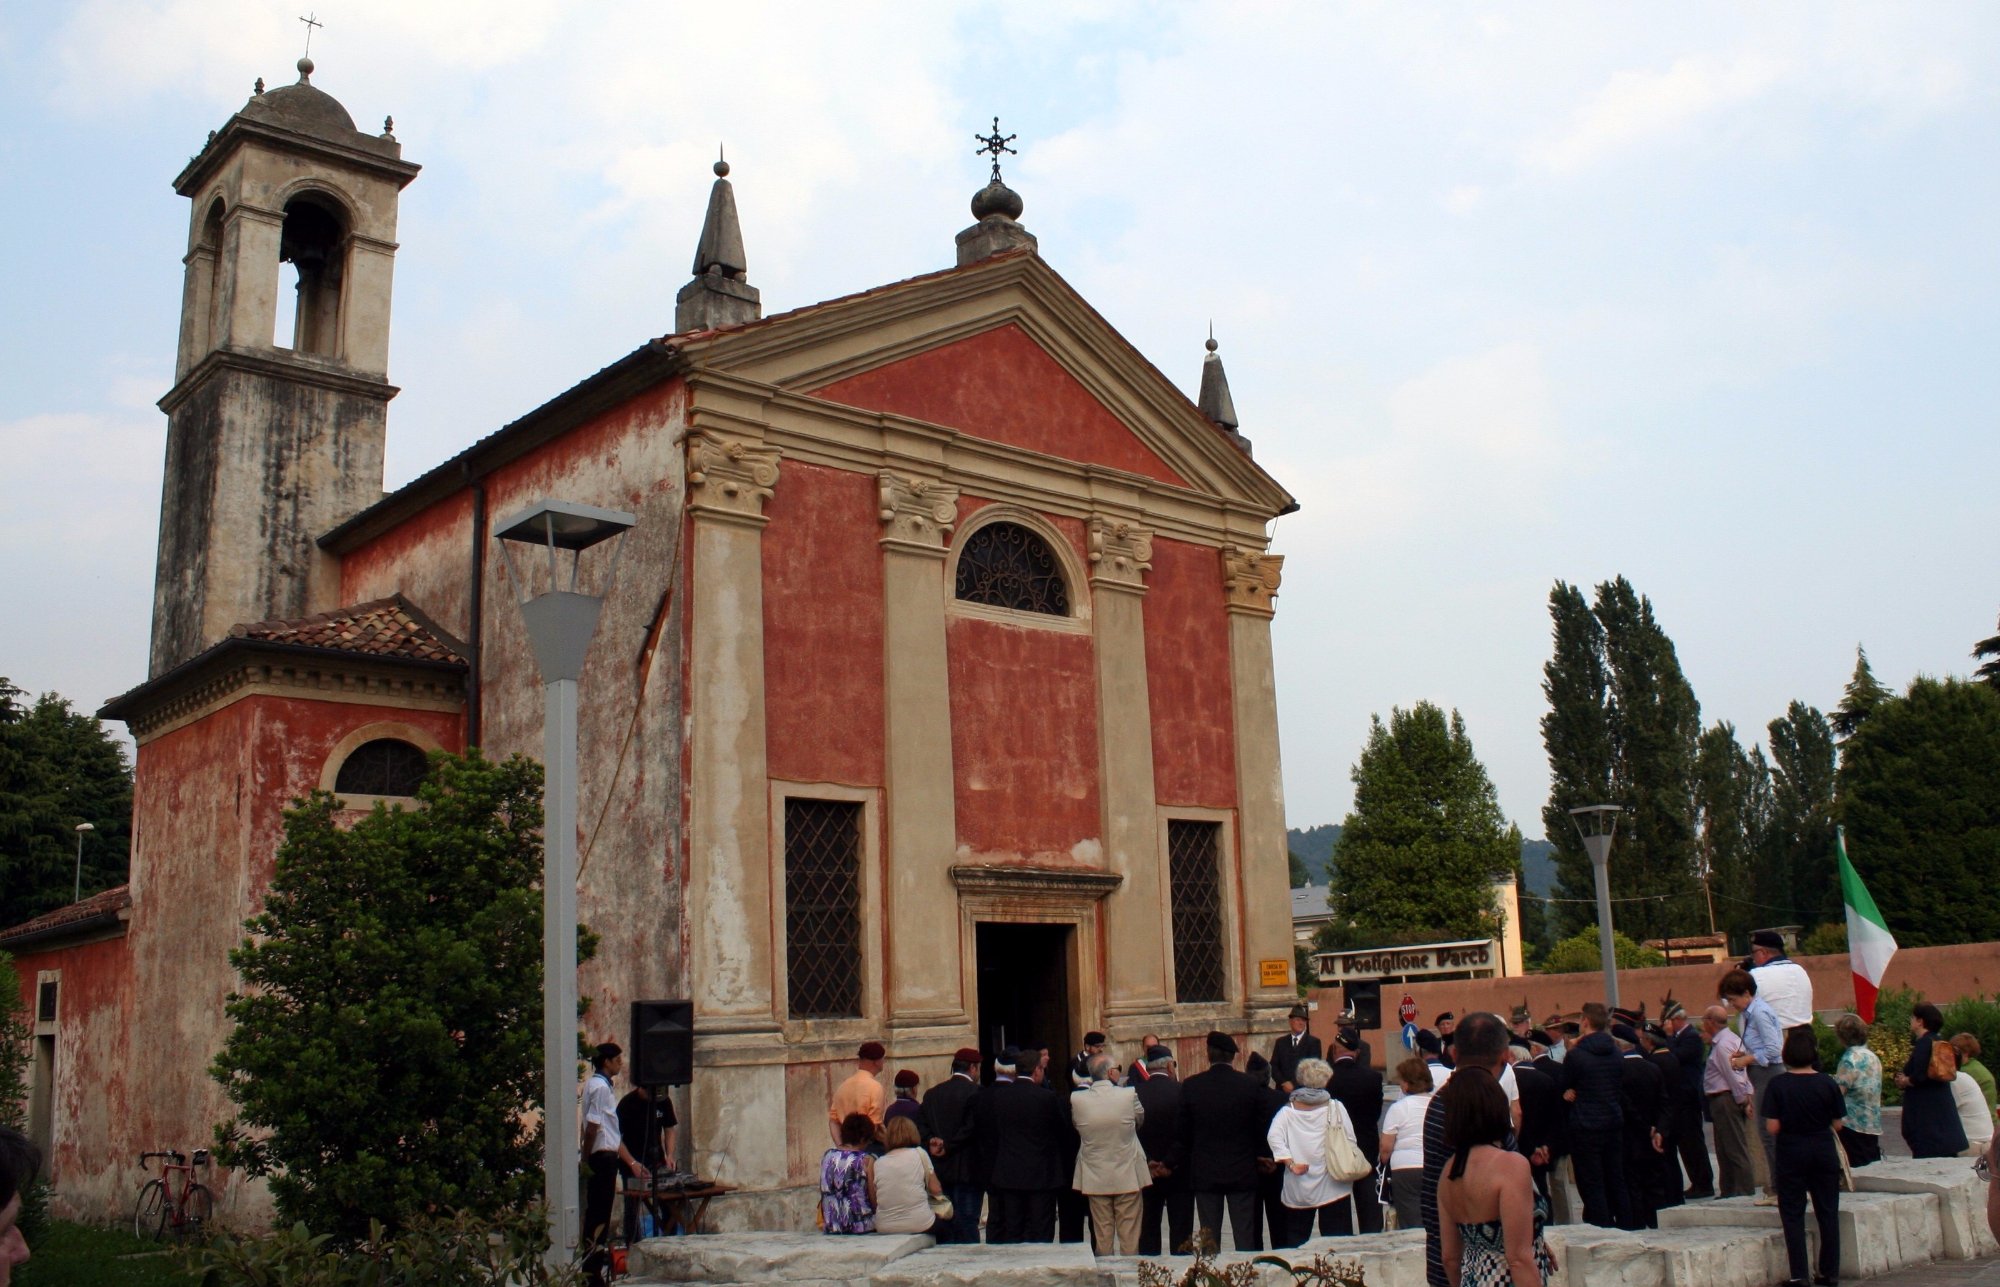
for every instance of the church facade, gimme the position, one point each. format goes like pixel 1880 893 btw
pixel 933 702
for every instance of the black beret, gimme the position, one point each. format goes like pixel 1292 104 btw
pixel 1093 1038
pixel 1222 1041
pixel 1768 938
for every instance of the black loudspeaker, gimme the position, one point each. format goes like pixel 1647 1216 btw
pixel 662 1043
pixel 1365 999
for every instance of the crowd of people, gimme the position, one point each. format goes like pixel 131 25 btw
pixel 1497 1124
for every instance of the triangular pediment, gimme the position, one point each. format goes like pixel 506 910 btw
pixel 1003 350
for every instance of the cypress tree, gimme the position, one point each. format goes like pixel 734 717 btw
pixel 1988 650
pixel 1733 805
pixel 1579 747
pixel 1426 840
pixel 1802 779
pixel 1863 694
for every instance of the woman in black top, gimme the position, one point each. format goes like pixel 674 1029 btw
pixel 1930 1114
pixel 1802 1109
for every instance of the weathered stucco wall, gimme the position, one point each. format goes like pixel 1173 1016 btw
pixel 823 675
pixel 1187 676
pixel 1001 385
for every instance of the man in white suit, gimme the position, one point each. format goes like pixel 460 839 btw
pixel 1110 1165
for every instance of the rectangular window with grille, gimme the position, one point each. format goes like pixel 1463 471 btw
pixel 823 908
pixel 1194 870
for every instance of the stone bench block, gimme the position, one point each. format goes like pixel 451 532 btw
pixel 1587 1256
pixel 1961 1199
pixel 1878 1231
pixel 1026 1264
pixel 1721 1256
pixel 772 1257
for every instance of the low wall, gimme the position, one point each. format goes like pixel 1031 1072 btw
pixel 1937 973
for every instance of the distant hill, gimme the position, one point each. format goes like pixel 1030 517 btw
pixel 1315 845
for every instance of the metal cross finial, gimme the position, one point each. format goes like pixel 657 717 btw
pixel 993 144
pixel 311 20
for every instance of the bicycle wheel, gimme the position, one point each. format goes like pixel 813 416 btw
pixel 197 1211
pixel 149 1217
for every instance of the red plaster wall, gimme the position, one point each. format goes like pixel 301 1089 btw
pixel 1187 677
pixel 1024 733
pixel 93 1004
pixel 1001 385
pixel 823 628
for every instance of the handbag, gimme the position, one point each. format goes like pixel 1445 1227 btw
pixel 1846 1169
pixel 1944 1062
pixel 1343 1156
pixel 940 1205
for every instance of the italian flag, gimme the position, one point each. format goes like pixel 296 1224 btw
pixel 1869 943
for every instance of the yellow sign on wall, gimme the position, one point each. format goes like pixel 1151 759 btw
pixel 1274 974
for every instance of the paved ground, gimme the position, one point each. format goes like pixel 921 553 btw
pixel 1945 1273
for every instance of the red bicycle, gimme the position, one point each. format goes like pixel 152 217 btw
pixel 163 1209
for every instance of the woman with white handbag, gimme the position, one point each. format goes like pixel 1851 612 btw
pixel 1313 1139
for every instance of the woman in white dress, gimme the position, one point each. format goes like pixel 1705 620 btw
pixel 1298 1142
pixel 1973 1114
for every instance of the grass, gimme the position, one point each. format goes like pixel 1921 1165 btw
pixel 77 1255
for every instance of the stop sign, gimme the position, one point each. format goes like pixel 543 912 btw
pixel 1407 1011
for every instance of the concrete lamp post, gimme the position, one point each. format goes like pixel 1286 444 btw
pixel 560 620
pixel 81 829
pixel 1598 825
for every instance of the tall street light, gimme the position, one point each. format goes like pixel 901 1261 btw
pixel 1598 825
pixel 81 828
pixel 560 622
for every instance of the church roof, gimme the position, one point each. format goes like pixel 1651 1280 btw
pixel 379 628
pixel 303 107
pixel 96 910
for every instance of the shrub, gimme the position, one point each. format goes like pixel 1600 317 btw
pixel 1828 939
pixel 463 1250
pixel 1578 954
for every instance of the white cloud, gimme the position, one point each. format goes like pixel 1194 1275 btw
pixel 1635 108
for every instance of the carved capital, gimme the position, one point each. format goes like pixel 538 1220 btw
pixel 1120 553
pixel 1251 579
pixel 729 478
pixel 915 512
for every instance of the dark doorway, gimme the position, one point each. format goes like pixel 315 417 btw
pixel 1024 990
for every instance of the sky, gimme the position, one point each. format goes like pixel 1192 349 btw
pixel 1701 294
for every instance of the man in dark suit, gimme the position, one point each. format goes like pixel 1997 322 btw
pixel 1293 1046
pixel 1667 1188
pixel 1223 1128
pixel 1643 1103
pixel 1019 1126
pixel 947 1123
pixel 1541 1113
pixel 1272 1218
pixel 1359 1090
pixel 1166 1157
pixel 1690 1104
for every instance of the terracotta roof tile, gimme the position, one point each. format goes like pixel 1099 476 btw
pixel 111 900
pixel 380 628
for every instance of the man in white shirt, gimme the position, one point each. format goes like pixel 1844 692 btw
pixel 1782 983
pixel 604 1150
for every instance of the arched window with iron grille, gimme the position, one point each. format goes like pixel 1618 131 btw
pixel 386 766
pixel 1005 565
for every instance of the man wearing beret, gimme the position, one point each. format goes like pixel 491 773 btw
pixel 1224 1121
pixel 861 1092
pixel 1690 1104
pixel 1293 1046
pixel 1166 1156
pixel 1642 1095
pixel 1358 1087
pixel 949 1130
pixel 1021 1125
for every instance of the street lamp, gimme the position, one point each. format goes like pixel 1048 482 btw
pixel 560 622
pixel 81 827
pixel 1597 824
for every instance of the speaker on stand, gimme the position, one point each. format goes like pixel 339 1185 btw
pixel 662 1050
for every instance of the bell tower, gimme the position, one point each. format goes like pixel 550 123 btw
pixel 278 414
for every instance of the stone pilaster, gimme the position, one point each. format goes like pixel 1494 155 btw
pixel 1135 983
pixel 1250 579
pixel 729 829
pixel 920 831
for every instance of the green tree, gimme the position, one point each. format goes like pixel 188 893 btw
pixel 1621 728
pixel 14 1052
pixel 1300 876
pixel 1534 921
pixel 1921 803
pixel 1802 780
pixel 1863 694
pixel 387 1030
pixel 1733 805
pixel 1581 954
pixel 1426 840
pixel 1988 651
pixel 58 767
